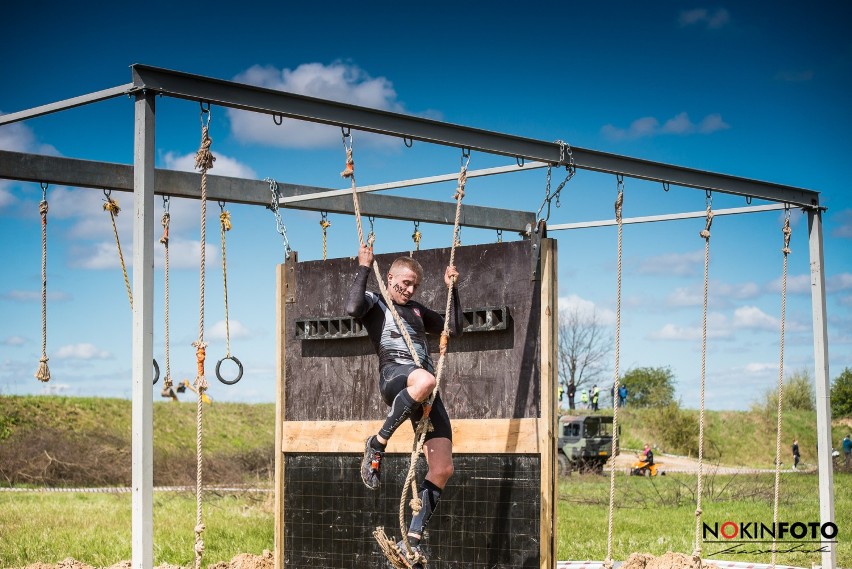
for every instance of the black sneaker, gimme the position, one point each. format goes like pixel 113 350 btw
pixel 370 465
pixel 417 560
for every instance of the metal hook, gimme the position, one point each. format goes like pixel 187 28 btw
pixel 748 200
pixel 43 190
pixel 408 142
pixel 465 157
pixel 107 193
pixel 499 236
pixel 166 203
pixel 278 119
pixel 416 225
pixel 520 161
pixel 221 205
pixel 619 181
pixel 323 216
pixel 666 187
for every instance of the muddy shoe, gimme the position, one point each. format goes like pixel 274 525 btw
pixel 416 560
pixel 370 466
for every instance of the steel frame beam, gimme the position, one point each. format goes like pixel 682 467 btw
pixel 281 104
pixel 665 217
pixel 67 104
pixel 119 177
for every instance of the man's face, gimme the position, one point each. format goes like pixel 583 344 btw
pixel 402 284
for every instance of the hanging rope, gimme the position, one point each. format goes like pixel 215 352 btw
pixel 787 231
pixel 704 234
pixel 416 236
pixel 388 546
pixel 113 208
pixel 325 224
pixel 225 225
pixel 43 372
pixel 203 161
pixel 167 381
pixel 619 201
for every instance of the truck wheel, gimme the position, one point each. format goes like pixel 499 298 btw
pixel 564 465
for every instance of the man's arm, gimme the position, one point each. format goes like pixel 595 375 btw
pixel 433 322
pixel 357 303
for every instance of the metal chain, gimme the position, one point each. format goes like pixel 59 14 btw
pixel 279 224
pixel 619 201
pixel 225 225
pixel 43 372
pixel 566 157
pixel 787 231
pixel 705 234
pixel 167 382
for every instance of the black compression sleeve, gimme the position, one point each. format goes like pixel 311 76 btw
pixel 356 302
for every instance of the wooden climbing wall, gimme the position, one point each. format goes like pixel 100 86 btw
pixel 498 509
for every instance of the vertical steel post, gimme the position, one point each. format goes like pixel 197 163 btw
pixel 821 381
pixel 142 420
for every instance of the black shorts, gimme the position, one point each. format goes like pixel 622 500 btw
pixel 393 379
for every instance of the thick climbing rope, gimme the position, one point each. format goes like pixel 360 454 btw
pixel 386 544
pixel 416 236
pixel 619 202
pixel 167 381
pixel 113 208
pixel 704 234
pixel 43 372
pixel 225 225
pixel 787 231
pixel 203 161
pixel 324 224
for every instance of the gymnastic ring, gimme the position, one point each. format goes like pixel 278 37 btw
pixel 156 371
pixel 239 375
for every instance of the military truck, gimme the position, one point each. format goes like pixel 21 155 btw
pixel 585 443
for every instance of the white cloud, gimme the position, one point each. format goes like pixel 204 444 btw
pixel 836 283
pixel 224 165
pixel 801 284
pixel 14 341
pixel 83 351
pixel 183 254
pixel 720 293
pixel 759 368
pixel 751 317
pixel 679 124
pixel 702 16
pixel 586 308
pixel 18 137
pixel 845 300
pixel 34 296
pixel 843 220
pixel 237 330
pixel 680 264
pixel 338 81
pixel 717 327
pixel 7 198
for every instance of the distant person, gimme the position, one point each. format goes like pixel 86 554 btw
pixel 796 455
pixel 561 393
pixel 622 395
pixel 572 389
pixel 648 454
pixel 596 392
pixel 847 450
pixel 584 398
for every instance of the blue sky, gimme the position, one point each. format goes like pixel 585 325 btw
pixel 757 89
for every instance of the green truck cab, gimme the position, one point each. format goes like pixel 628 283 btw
pixel 585 443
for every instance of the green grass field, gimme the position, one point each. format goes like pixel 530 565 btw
pixel 651 516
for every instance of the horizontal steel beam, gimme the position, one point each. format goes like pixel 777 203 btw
pixel 106 175
pixel 66 104
pixel 665 217
pixel 282 104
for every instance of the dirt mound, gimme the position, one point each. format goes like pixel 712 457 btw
pixel 241 561
pixel 668 561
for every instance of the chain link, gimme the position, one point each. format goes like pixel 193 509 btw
pixel 566 157
pixel 279 224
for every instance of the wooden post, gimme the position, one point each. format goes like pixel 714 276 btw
pixel 281 291
pixel 547 422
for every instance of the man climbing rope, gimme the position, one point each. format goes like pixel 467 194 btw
pixel 403 385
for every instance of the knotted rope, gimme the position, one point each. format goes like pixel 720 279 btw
pixel 416 236
pixel 387 545
pixel 324 224
pixel 114 209
pixel 705 234
pixel 43 372
pixel 203 161
pixel 611 514
pixel 167 381
pixel 787 232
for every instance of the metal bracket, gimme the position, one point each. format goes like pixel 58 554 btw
pixel 290 278
pixel 536 236
pixel 485 319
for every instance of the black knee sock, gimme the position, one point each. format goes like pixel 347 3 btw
pixel 400 410
pixel 429 496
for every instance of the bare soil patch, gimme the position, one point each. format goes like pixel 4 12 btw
pixel 241 561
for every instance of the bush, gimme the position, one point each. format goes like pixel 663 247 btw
pixel 798 395
pixel 841 394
